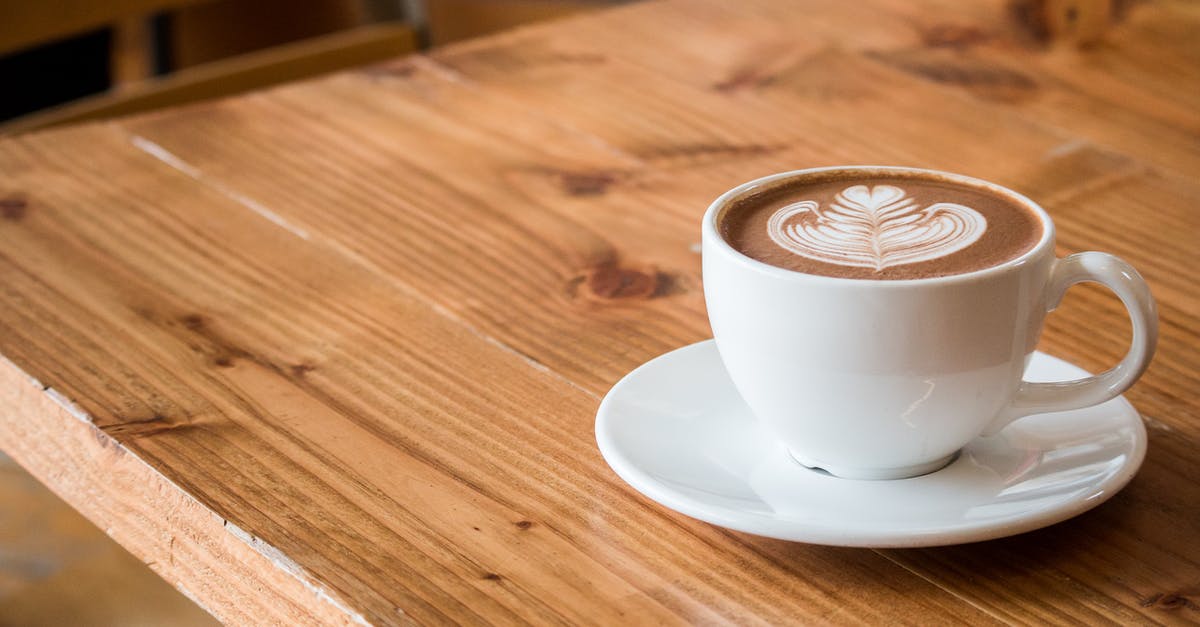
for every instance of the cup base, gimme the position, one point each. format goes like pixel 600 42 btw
pixel 876 474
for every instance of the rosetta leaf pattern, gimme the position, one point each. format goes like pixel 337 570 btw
pixel 875 227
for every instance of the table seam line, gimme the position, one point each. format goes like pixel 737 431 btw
pixel 886 555
pixel 174 162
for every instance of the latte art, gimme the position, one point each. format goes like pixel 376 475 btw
pixel 879 225
pixel 875 227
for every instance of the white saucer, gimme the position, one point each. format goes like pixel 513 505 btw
pixel 677 431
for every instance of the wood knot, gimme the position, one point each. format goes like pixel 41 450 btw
pixel 133 427
pixel 523 524
pixel 988 81
pixel 694 154
pixel 587 183
pixel 13 208
pixel 301 369
pixel 492 577
pixel 1080 22
pixel 1169 601
pixel 744 80
pixel 954 36
pixel 612 281
pixel 223 361
pixel 192 322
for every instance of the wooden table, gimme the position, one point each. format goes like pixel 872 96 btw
pixel 333 351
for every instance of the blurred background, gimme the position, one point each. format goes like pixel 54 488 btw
pixel 65 61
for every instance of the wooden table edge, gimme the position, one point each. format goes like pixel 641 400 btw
pixel 243 579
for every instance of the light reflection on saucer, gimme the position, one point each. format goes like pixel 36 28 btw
pixel 676 430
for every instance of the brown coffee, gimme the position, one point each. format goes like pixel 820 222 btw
pixel 880 225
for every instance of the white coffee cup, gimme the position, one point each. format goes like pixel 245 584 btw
pixel 885 379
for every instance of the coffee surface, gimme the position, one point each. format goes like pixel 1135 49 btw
pixel 886 226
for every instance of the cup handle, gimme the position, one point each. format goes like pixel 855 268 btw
pixel 1131 288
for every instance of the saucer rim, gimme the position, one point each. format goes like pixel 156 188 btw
pixel 823 534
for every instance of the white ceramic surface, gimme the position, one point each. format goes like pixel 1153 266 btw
pixel 677 431
pixel 887 378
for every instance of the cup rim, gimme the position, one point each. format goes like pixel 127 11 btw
pixel 713 235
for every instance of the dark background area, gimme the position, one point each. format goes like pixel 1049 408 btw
pixel 55 73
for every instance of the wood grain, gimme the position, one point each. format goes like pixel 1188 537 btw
pixel 178 536
pixel 353 432
pixel 367 319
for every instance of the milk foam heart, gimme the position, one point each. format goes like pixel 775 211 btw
pixel 867 225
pixel 875 227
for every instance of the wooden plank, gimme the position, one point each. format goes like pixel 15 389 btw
pixel 263 68
pixel 470 216
pixel 383 460
pixel 1127 92
pixel 182 539
pixel 61 569
pixel 1083 185
pixel 591 163
pixel 527 206
pixel 603 142
pixel 1062 170
pixel 607 179
pixel 812 111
